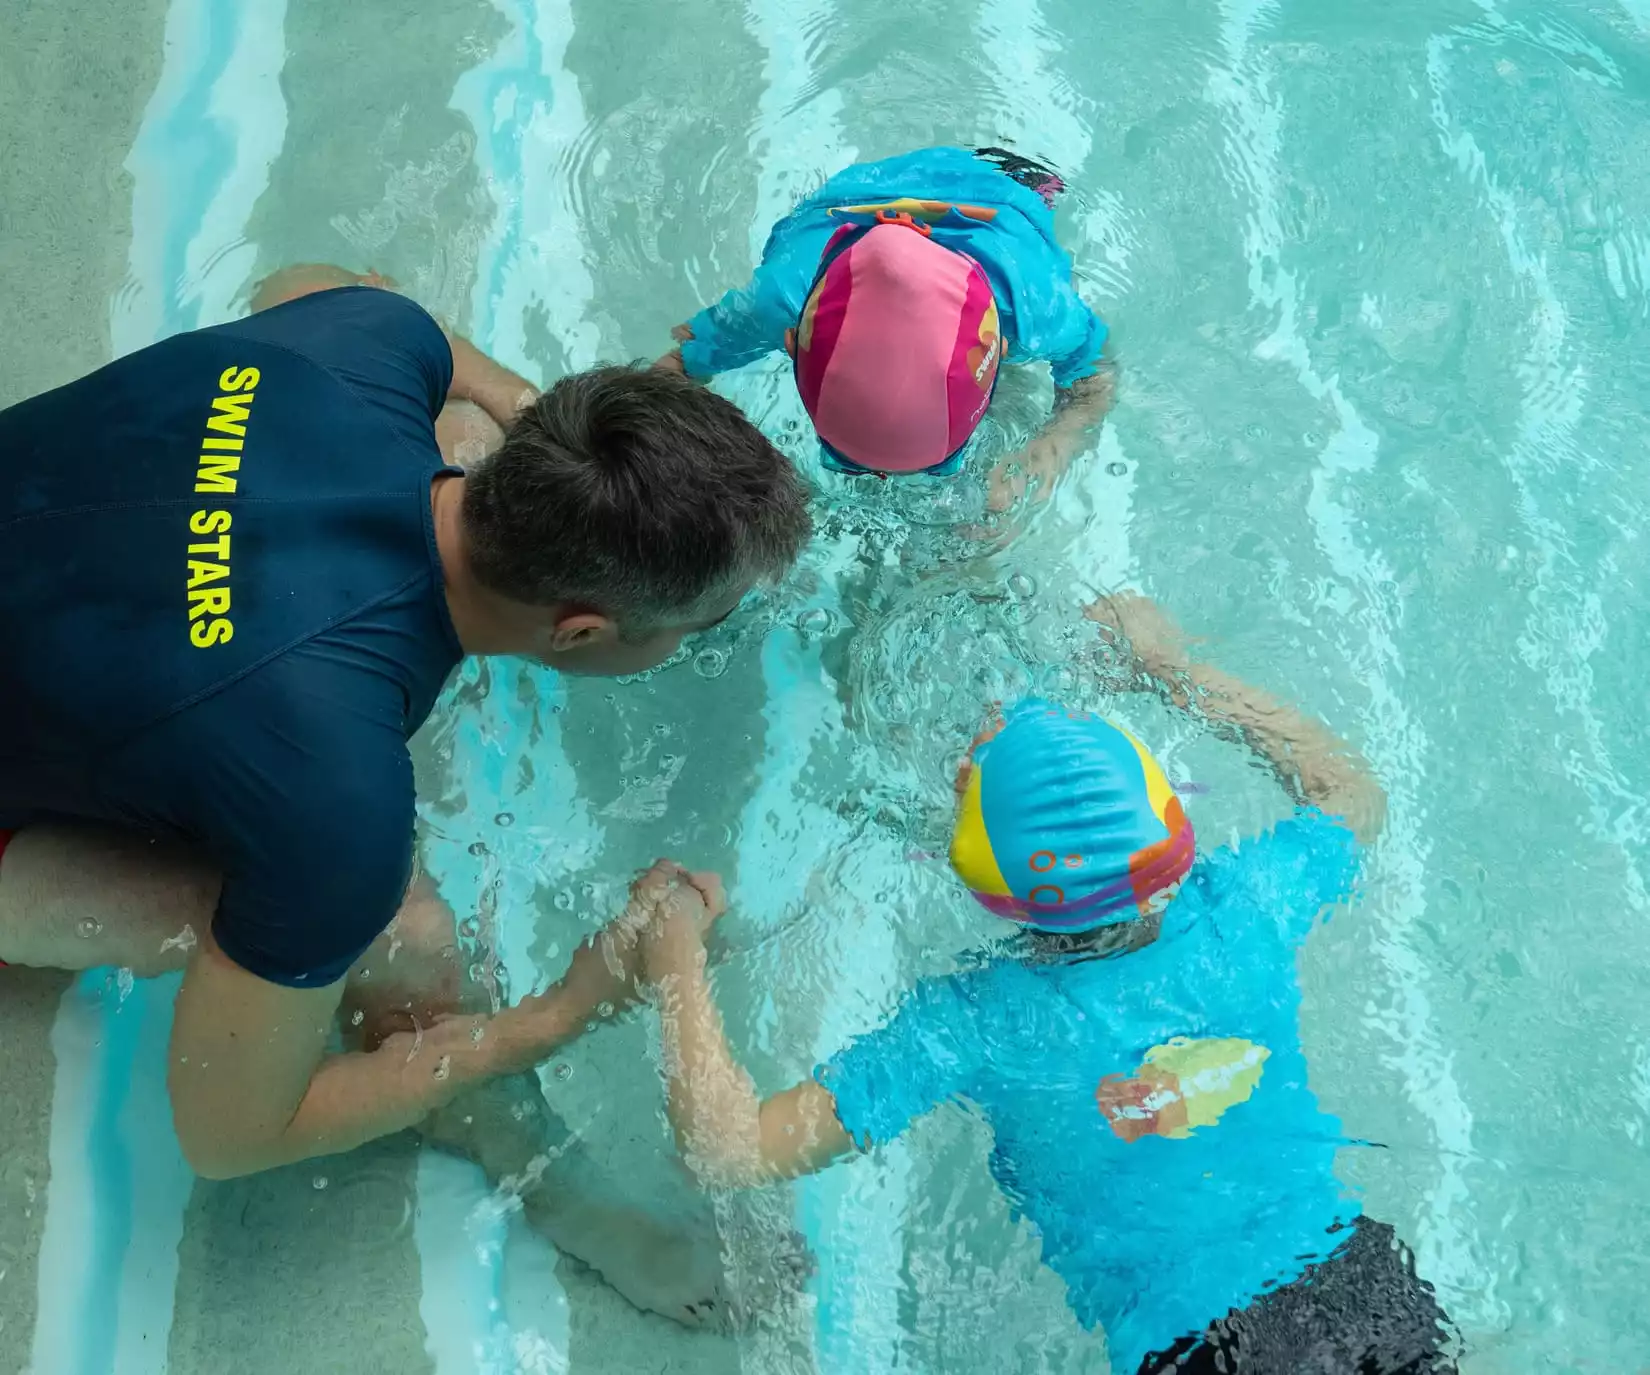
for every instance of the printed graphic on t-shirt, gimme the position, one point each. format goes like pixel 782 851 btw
pixel 1181 1086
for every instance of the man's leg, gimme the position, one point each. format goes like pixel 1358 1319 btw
pixel 416 971
pixel 77 897
pixel 465 432
pixel 528 1153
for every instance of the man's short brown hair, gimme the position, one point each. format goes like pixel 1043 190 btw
pixel 635 493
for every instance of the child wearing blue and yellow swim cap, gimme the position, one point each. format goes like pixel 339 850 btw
pixel 1137 1054
pixel 1066 823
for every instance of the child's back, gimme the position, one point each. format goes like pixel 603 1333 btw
pixel 1151 1111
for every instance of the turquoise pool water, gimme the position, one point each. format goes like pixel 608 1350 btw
pixel 1379 280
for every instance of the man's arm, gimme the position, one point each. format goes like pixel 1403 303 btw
pixel 476 377
pixel 1078 412
pixel 726 1134
pixel 492 386
pixel 1313 764
pixel 252 1088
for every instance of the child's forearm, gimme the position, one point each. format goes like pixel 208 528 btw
pixel 1311 762
pixel 1079 409
pixel 713 1107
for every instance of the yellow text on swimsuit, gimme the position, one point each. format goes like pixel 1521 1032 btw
pixel 220 461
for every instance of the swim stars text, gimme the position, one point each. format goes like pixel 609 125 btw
pixel 220 461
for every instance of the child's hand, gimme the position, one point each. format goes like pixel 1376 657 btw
pixel 674 910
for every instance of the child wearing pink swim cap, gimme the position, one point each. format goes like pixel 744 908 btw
pixel 899 289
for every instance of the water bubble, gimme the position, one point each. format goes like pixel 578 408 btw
pixel 815 621
pixel 518 1111
pixel 478 848
pixel 1023 585
pixel 587 891
pixel 604 1009
pixel 320 1181
pixel 505 819
pixel 469 928
pixel 365 974
pixel 476 1033
pixel 710 663
pixel 478 972
pixel 357 1017
pixel 443 1066
pixel 88 928
pixel 1256 431
pixel 564 900
pixel 1117 469
pixel 591 1026
pixel 563 1072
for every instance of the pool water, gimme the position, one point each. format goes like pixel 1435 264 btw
pixel 1379 281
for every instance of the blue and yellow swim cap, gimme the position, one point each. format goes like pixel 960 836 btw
pixel 1067 822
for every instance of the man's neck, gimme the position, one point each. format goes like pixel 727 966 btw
pixel 481 620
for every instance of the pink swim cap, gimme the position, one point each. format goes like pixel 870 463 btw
pixel 897 349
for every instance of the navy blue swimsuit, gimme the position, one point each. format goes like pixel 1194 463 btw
pixel 223 614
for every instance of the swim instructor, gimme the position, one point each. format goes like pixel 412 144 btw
pixel 235 571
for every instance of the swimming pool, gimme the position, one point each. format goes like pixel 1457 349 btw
pixel 1380 282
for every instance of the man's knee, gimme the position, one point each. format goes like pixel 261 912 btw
pixel 75 897
pixel 304 279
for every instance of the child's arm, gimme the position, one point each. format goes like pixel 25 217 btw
pixel 1313 764
pixel 726 1134
pixel 1078 412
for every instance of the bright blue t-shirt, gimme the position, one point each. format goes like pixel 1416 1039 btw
pixel 1151 1111
pixel 1042 315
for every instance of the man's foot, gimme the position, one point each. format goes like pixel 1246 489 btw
pixel 676 1273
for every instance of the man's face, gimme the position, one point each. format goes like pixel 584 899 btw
pixel 591 645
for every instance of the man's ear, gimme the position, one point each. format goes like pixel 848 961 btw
pixel 579 630
pixel 790 341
